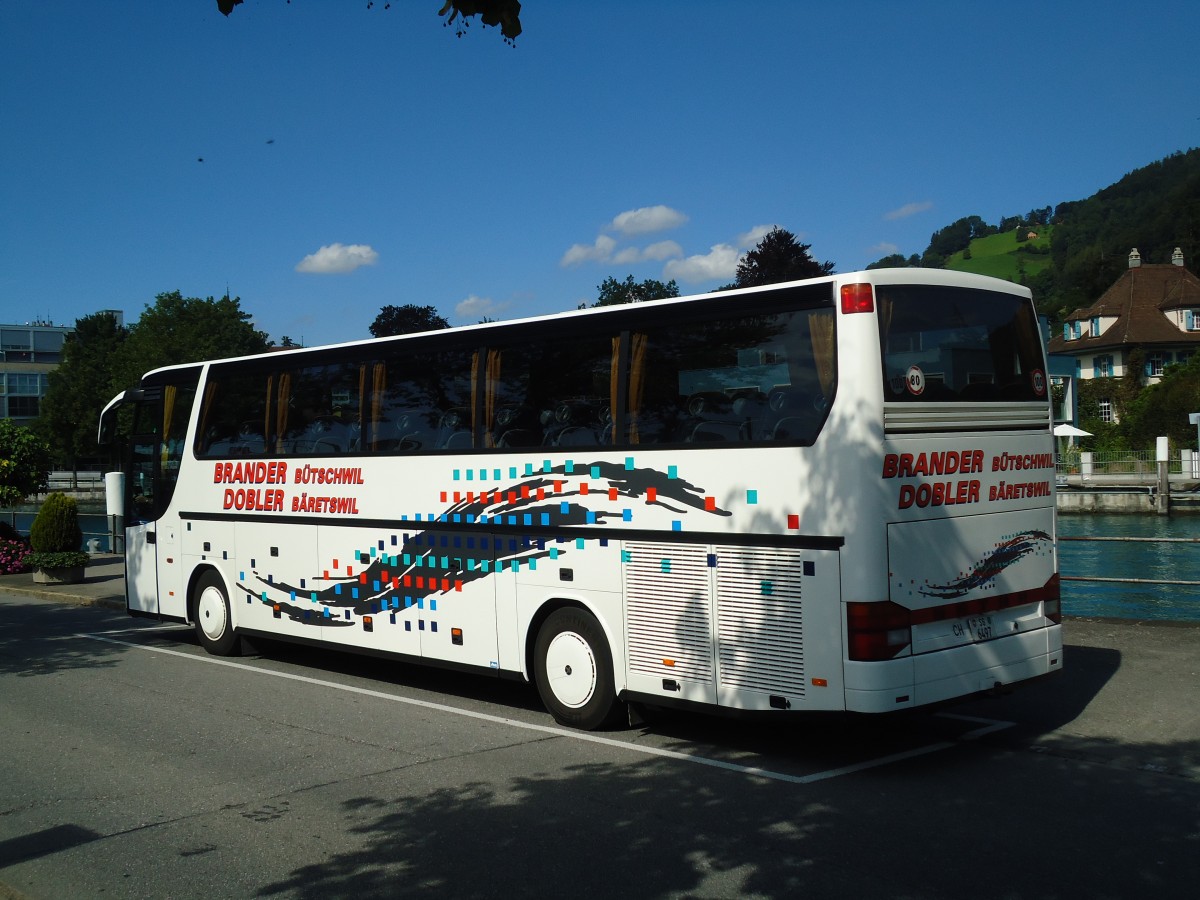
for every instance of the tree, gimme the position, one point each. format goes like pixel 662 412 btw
pixel 178 329
pixel 613 292
pixel 24 462
pixel 955 237
pixel 896 261
pixel 778 257
pixel 504 13
pixel 80 388
pixel 1163 408
pixel 407 319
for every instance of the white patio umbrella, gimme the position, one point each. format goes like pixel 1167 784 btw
pixel 1066 429
pixel 1066 433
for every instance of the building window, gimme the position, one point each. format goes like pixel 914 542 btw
pixel 1191 319
pixel 24 407
pixel 1102 366
pixel 1106 413
pixel 24 384
pixel 1154 364
pixel 1095 325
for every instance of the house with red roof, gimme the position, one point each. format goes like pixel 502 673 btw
pixel 1148 319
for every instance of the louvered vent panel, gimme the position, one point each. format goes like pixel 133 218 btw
pixel 760 628
pixel 911 418
pixel 667 589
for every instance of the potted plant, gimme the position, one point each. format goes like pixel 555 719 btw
pixel 55 538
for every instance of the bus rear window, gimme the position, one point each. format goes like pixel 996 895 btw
pixel 957 344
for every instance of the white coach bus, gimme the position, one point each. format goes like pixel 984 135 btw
pixel 832 494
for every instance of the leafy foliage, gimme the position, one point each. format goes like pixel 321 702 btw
pixel 613 292
pixel 954 238
pixel 101 359
pixel 778 257
pixel 24 462
pixel 1163 408
pixel 80 387
pixel 178 329
pixel 1155 208
pixel 503 13
pixel 896 261
pixel 407 319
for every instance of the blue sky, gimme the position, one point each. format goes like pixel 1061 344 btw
pixel 356 157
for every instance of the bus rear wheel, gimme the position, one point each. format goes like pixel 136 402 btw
pixel 211 614
pixel 573 670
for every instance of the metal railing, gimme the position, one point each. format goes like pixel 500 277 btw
pixel 1114 462
pixel 112 537
pixel 1131 540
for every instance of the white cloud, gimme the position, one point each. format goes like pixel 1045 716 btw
pixel 657 252
pixel 884 248
pixel 908 209
pixel 662 250
pixel 600 251
pixel 337 259
pixel 627 256
pixel 647 219
pixel 476 308
pixel 720 262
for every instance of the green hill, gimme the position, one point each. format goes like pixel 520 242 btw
pixel 1085 244
pixel 1002 256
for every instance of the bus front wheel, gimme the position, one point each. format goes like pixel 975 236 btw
pixel 573 670
pixel 214 624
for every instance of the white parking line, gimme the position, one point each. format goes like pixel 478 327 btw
pixel 564 732
pixel 140 629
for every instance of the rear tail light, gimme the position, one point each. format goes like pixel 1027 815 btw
pixel 857 298
pixel 877 631
pixel 1052 606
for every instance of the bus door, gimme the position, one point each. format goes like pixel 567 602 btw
pixel 153 564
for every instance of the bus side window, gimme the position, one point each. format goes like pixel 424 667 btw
pixel 417 402
pixel 758 378
pixel 556 393
pixel 232 416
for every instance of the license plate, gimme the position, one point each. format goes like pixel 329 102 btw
pixel 977 628
pixel 980 628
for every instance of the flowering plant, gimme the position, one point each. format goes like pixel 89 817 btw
pixel 12 557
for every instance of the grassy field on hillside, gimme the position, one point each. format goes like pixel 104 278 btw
pixel 997 255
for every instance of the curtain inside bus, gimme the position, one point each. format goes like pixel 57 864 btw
pixel 820 325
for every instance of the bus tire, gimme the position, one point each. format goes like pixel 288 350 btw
pixel 572 666
pixel 214 624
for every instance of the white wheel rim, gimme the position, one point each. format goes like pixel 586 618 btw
pixel 571 669
pixel 211 613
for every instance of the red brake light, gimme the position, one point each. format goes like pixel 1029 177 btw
pixel 857 298
pixel 877 631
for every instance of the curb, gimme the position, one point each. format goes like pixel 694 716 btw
pixel 114 602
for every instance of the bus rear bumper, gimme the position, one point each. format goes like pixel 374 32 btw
pixel 958 672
